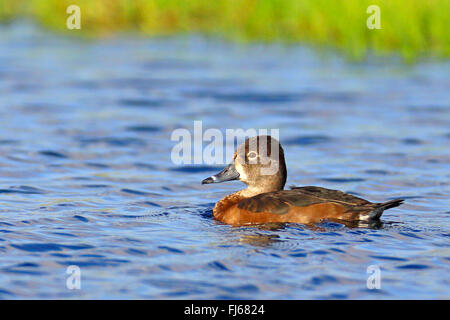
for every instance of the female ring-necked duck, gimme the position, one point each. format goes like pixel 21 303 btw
pixel 259 163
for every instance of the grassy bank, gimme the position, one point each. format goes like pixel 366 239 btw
pixel 412 28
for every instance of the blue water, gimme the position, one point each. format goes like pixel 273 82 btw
pixel 86 176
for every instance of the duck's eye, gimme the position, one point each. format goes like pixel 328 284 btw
pixel 251 155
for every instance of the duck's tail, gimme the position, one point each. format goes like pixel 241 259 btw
pixel 379 208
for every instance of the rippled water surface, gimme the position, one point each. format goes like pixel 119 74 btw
pixel 86 176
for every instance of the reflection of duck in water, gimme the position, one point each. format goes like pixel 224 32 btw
pixel 259 163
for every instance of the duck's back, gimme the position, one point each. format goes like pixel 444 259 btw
pixel 304 205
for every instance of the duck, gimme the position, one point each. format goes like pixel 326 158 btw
pixel 259 163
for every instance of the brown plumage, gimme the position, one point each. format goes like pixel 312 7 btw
pixel 259 163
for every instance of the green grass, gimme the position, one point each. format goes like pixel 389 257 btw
pixel 412 28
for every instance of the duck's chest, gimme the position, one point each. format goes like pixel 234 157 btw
pixel 226 209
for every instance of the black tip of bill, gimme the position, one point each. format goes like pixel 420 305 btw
pixel 208 180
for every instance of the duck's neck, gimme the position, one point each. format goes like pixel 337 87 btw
pixel 252 191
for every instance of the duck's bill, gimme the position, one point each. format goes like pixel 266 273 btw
pixel 227 174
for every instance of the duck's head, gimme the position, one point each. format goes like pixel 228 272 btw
pixel 259 163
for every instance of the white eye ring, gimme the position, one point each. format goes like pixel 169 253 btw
pixel 251 155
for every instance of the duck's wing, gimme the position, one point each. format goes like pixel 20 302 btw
pixel 330 195
pixel 282 201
